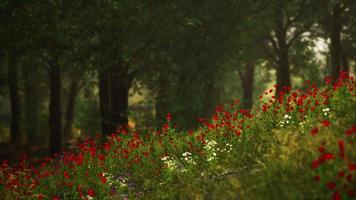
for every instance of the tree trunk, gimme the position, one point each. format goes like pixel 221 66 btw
pixel 247 85
pixel 70 110
pixel 283 71
pixel 55 118
pixel 119 95
pixel 162 101
pixel 31 105
pixel 335 37
pixel 104 98
pixel 16 136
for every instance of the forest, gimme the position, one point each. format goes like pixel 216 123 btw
pixel 72 71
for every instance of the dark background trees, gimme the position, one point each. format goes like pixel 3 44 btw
pixel 71 69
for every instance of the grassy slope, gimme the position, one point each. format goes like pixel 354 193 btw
pixel 233 156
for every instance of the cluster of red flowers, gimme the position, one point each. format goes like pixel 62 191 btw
pixel 83 170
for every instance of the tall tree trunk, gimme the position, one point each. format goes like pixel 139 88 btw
pixel 283 71
pixel 16 136
pixel 31 104
pixel 70 109
pixel 55 118
pixel 104 100
pixel 247 85
pixel 119 95
pixel 335 37
pixel 162 101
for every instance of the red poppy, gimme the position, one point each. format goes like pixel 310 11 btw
pixel 315 164
pixel 331 185
pixel 314 131
pixel 321 149
pixel 103 180
pixel 66 175
pixel 336 195
pixel 326 123
pixel 316 178
pixel 341 174
pixel 169 117
pixel 238 132
pixel 352 167
pixel 91 192
pixel 55 198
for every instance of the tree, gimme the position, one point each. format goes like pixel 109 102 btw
pixel 14 98
pixel 340 15
pixel 289 21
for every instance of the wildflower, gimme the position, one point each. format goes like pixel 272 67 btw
pixel 321 149
pixel 55 198
pixel 169 117
pixel 341 174
pixel 326 111
pixel 314 131
pixel 336 195
pixel 331 185
pixel 91 192
pixel 326 157
pixel 316 178
pixel 326 123
pixel 170 163
pixel 237 132
pixel 315 164
pixel 66 175
pixel 187 156
pixel 352 167
pixel 349 178
pixel 287 116
pixel 351 193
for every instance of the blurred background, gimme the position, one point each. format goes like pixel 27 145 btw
pixel 73 69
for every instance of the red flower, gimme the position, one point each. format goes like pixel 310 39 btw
pixel 91 192
pixel 101 157
pixel 328 79
pixel 326 123
pixel 349 178
pixel 336 195
pixel 315 164
pixel 55 198
pixel 238 133
pixel 331 185
pixel 314 131
pixel 328 156
pixel 352 167
pixel 351 193
pixel 341 174
pixel 169 117
pixel 40 197
pixel 321 149
pixel 316 178
pixel 66 175
pixel 103 180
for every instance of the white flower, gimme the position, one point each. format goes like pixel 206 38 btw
pixel 89 197
pixel 187 156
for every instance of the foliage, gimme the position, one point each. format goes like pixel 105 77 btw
pixel 297 146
